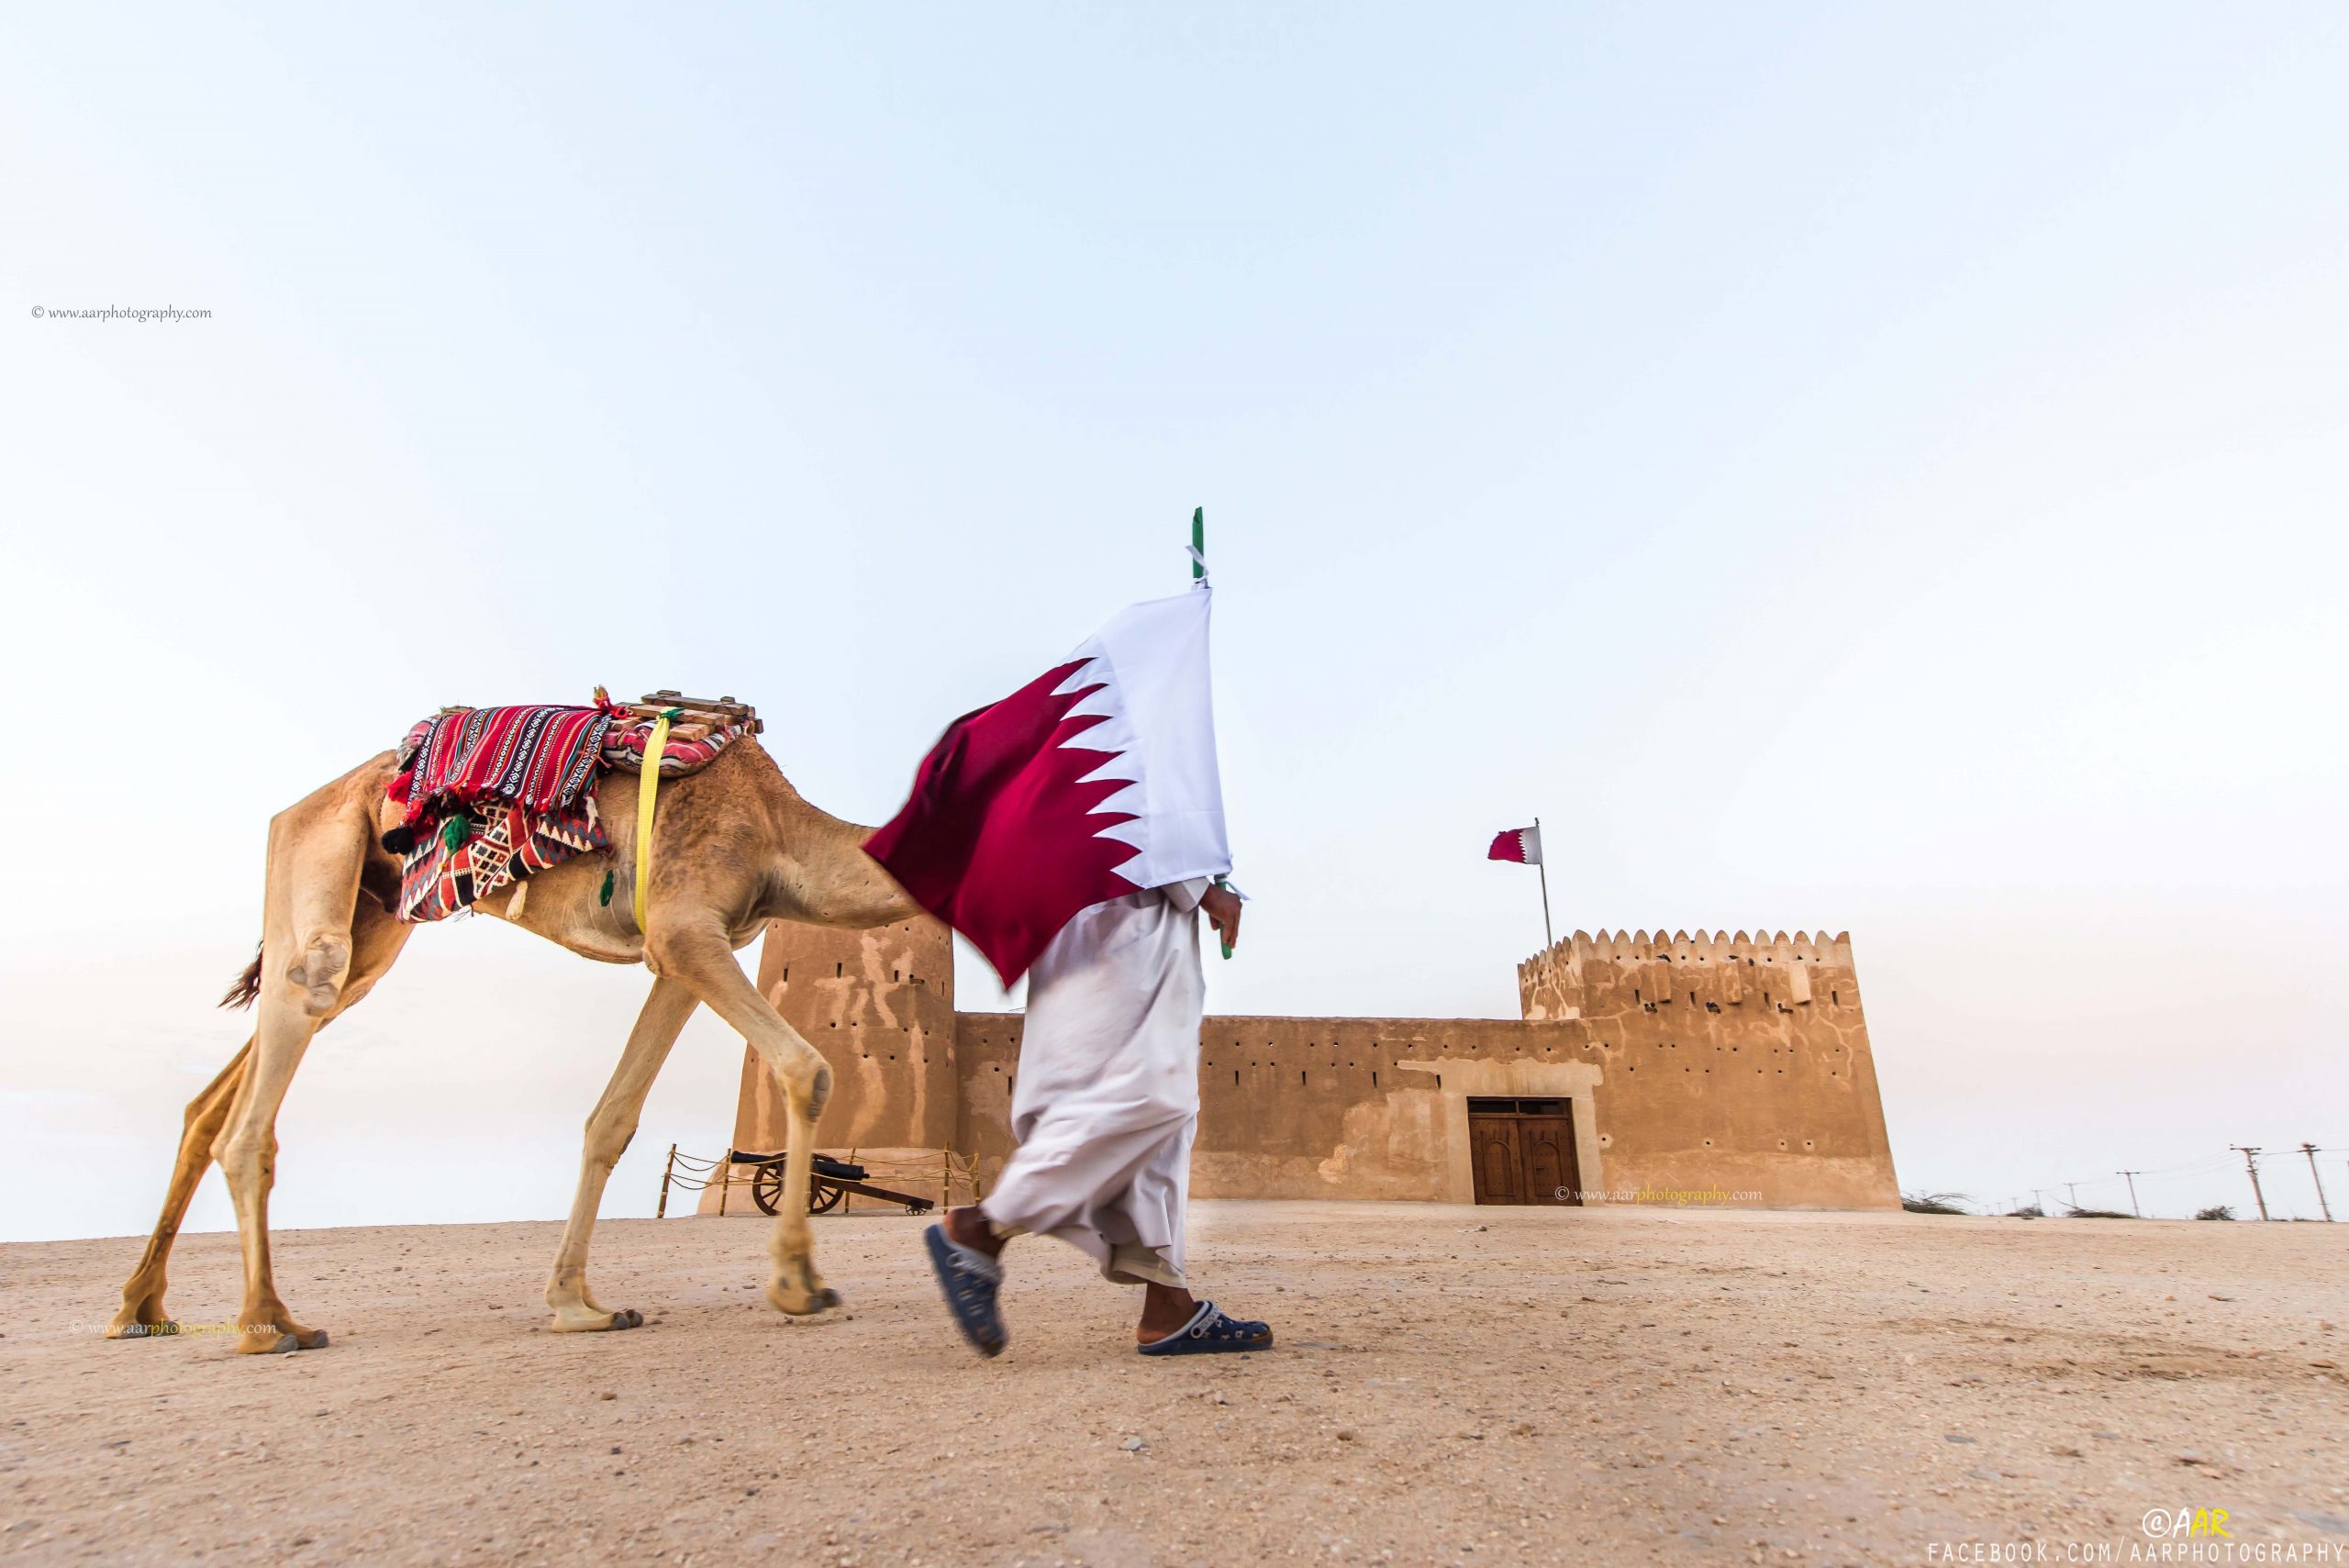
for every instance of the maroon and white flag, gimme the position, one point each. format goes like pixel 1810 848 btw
pixel 1095 779
pixel 1522 845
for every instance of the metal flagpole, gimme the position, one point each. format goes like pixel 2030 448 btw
pixel 1549 937
pixel 1199 570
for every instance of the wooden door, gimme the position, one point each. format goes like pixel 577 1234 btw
pixel 1547 1143
pixel 1499 1161
pixel 1523 1151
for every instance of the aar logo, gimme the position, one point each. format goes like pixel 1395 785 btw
pixel 2185 1524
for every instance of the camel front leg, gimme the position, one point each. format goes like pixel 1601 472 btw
pixel 142 1314
pixel 609 1128
pixel 699 955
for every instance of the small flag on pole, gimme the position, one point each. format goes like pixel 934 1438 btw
pixel 1522 845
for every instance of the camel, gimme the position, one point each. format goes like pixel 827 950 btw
pixel 733 847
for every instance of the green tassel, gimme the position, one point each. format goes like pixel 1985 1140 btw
pixel 453 831
pixel 606 898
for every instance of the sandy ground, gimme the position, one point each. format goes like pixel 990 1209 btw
pixel 1454 1386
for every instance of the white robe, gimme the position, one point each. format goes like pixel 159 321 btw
pixel 1106 1097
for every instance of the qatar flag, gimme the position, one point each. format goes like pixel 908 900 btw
pixel 1095 779
pixel 1522 845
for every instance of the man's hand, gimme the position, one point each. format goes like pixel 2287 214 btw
pixel 1222 907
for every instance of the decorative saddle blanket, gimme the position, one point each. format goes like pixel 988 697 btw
pixel 494 794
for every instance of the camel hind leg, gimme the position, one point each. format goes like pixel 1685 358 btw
pixel 376 941
pixel 142 1313
pixel 310 929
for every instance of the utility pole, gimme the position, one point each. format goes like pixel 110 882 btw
pixel 2038 1199
pixel 2130 1177
pixel 2073 1188
pixel 2309 1149
pixel 2251 1164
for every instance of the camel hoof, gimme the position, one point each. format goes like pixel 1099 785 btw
pixel 802 1303
pixel 281 1344
pixel 138 1330
pixel 599 1321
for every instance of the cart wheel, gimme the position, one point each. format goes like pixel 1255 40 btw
pixel 822 1196
pixel 766 1186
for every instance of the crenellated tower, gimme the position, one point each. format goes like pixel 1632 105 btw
pixel 1730 1060
pixel 1587 976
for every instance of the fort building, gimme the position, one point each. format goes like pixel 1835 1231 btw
pixel 1709 1069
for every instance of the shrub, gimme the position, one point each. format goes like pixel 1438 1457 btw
pixel 1934 1203
pixel 2216 1211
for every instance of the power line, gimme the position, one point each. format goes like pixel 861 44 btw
pixel 2194 1168
pixel 2190 1168
pixel 2208 1166
pixel 2183 1172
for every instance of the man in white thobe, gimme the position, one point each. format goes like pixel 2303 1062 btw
pixel 1104 1106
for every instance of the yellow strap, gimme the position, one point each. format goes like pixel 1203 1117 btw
pixel 647 784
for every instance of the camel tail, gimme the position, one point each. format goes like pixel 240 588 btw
pixel 246 986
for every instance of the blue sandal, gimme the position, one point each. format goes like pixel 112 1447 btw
pixel 970 1280
pixel 1209 1332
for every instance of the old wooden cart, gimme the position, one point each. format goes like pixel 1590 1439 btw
pixel 829 1184
pixel 831 1181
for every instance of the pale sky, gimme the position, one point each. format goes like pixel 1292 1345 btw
pixel 1870 468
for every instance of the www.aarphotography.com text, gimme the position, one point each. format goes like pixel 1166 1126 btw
pixel 120 313
pixel 1680 1197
